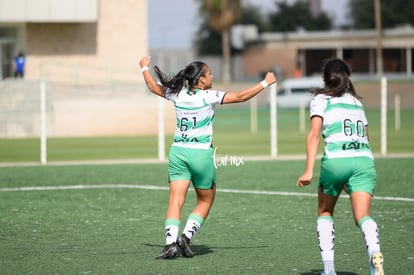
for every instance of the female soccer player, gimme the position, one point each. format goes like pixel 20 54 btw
pixel 347 163
pixel 191 154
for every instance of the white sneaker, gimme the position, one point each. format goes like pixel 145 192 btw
pixel 376 264
pixel 329 273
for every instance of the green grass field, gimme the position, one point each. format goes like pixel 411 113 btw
pixel 109 219
pixel 232 135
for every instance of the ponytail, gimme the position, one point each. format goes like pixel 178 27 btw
pixel 174 82
pixel 191 73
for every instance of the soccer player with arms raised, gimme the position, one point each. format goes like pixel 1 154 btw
pixel 191 154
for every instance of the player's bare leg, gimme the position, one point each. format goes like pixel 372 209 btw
pixel 178 192
pixel 205 199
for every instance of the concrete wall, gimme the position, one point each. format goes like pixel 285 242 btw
pixel 73 111
pixel 115 42
pixel 48 10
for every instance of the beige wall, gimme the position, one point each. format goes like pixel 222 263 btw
pixel 260 58
pixel 66 50
pixel 122 32
pixel 48 10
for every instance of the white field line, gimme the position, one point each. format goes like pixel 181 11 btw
pixel 153 187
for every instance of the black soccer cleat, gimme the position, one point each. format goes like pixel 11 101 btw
pixel 169 252
pixel 184 244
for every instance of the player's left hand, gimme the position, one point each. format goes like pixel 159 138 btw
pixel 270 78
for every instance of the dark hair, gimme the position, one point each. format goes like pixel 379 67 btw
pixel 336 74
pixel 191 73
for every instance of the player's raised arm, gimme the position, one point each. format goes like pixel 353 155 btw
pixel 149 79
pixel 244 95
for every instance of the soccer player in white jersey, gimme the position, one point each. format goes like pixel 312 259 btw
pixel 191 154
pixel 337 114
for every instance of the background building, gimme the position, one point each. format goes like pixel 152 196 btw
pixel 308 50
pixel 86 52
pixel 65 39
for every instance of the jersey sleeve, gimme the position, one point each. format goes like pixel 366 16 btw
pixel 318 105
pixel 169 95
pixel 214 97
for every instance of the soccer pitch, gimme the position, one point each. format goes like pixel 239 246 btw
pixel 109 219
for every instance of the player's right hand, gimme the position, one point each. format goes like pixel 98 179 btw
pixel 145 61
pixel 304 180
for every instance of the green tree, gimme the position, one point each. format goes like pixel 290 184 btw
pixel 295 16
pixel 251 15
pixel 393 13
pixel 208 40
pixel 221 16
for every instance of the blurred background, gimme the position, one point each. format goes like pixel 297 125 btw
pixel 84 55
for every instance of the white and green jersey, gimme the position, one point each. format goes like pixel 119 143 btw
pixel 195 114
pixel 344 123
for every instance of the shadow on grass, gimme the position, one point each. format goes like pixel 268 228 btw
pixel 203 249
pixel 318 272
pixel 197 249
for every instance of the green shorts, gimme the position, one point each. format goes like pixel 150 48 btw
pixel 358 174
pixel 196 165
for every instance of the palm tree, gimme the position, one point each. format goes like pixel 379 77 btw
pixel 221 16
